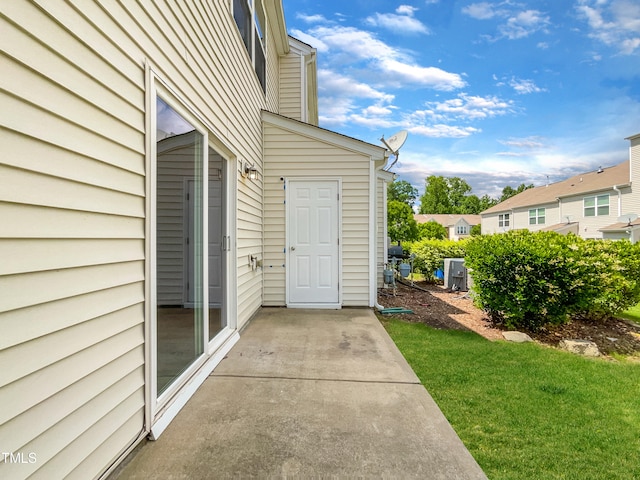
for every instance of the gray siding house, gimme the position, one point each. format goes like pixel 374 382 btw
pixel 589 204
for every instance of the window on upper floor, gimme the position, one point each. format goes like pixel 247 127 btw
pixel 503 220
pixel 461 230
pixel 596 205
pixel 251 21
pixel 537 216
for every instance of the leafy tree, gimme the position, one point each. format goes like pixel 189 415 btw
pixel 431 230
pixel 401 225
pixel 458 193
pixel 508 191
pixel 449 195
pixel 486 202
pixel 436 196
pixel 471 205
pixel 402 191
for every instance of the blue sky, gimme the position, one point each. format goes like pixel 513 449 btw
pixel 498 93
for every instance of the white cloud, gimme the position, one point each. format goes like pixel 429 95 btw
pixel 338 95
pixel 332 83
pixel 377 111
pixel 615 23
pixel 334 110
pixel 468 107
pixel 406 10
pixel 315 42
pixel 480 11
pixel 529 143
pixel 402 22
pixel 356 42
pixel 432 77
pixel 523 87
pixel 311 18
pixel 393 66
pixel 515 23
pixel 443 131
pixel 523 24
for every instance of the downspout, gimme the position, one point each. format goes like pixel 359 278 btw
pixel 373 288
pixel 615 187
pixel 373 277
pixel 384 220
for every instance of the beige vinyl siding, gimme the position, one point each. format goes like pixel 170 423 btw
pixel 628 201
pixel 72 200
pixel 631 201
pixel 72 242
pixel 291 69
pixel 520 217
pixel 291 155
pixel 590 226
pixel 489 224
pixel 381 240
pixel 273 71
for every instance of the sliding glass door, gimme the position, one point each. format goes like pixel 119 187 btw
pixel 190 246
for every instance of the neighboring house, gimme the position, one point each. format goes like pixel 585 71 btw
pixel 458 226
pixel 588 205
pixel 162 177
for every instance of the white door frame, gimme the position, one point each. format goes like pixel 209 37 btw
pixel 160 410
pixel 288 236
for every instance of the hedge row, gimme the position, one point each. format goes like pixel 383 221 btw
pixel 525 279
pixel 430 253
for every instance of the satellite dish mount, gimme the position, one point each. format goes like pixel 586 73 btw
pixel 393 144
pixel 628 218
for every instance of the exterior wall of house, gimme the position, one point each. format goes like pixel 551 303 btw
pixel 294 82
pixel 291 85
pixel 552 217
pixel 631 203
pixel 72 200
pixel 589 226
pixel 289 155
pixel 519 219
pixel 273 71
pixel 489 224
pixel 381 229
pixel 453 230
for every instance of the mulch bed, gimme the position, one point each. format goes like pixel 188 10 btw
pixel 435 306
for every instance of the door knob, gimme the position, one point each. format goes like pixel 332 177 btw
pixel 293 248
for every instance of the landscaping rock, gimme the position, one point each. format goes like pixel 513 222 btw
pixel 581 347
pixel 517 337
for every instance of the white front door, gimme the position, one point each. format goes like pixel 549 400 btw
pixel 313 253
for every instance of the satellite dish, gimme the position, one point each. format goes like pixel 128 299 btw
pixel 394 143
pixel 628 218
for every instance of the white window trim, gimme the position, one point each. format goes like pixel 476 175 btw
pixel 538 213
pixel 596 205
pixel 256 26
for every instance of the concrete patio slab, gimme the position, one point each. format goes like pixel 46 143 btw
pixel 309 394
pixel 347 344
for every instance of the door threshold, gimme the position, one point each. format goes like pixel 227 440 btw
pixel 326 306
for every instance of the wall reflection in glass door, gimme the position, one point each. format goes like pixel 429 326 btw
pixel 179 245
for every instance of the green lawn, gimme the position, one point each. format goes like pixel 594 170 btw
pixel 632 314
pixel 529 412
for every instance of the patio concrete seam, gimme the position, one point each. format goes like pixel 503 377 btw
pixel 315 379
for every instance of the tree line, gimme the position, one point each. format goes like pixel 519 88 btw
pixel 451 195
pixel 442 195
